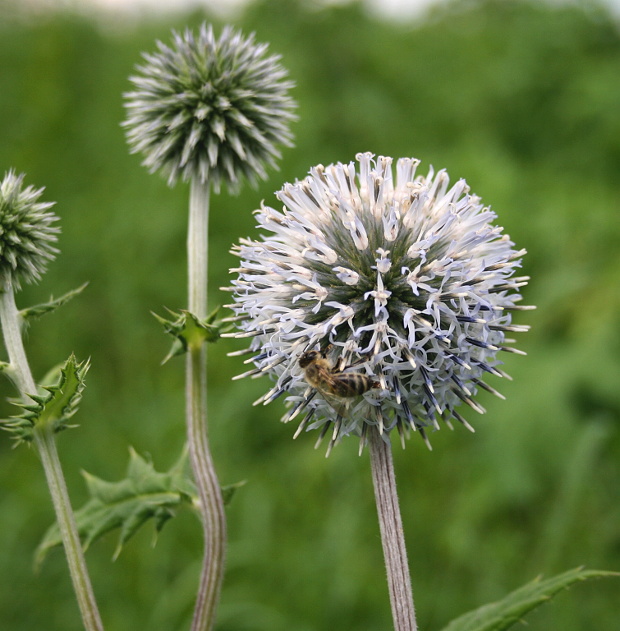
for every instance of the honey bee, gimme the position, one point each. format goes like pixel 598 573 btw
pixel 330 382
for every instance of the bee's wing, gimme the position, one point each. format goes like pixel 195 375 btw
pixel 340 405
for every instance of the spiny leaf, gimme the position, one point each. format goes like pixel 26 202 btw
pixel 54 407
pixel 190 331
pixel 504 613
pixel 127 504
pixel 31 313
pixel 229 491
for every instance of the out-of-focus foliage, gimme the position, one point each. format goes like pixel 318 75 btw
pixel 511 609
pixel 143 494
pixel 522 100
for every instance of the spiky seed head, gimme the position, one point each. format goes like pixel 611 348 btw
pixel 214 109
pixel 27 231
pixel 394 275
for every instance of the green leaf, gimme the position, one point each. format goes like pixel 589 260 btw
pixel 54 407
pixel 229 491
pixel 31 313
pixel 7 369
pixel 511 609
pixel 127 504
pixel 189 331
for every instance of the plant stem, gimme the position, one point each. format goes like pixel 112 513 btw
pixel 46 446
pixel 211 502
pixel 392 535
pixel 11 330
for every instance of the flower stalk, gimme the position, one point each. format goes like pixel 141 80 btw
pixel 379 301
pixel 211 502
pixel 210 111
pixel 392 534
pixel 43 438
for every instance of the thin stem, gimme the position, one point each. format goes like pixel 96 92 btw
pixel 46 446
pixel 211 502
pixel 198 248
pixel 392 535
pixel 11 330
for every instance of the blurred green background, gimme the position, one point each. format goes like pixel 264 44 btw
pixel 520 98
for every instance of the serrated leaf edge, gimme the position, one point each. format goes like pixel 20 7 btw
pixel 512 612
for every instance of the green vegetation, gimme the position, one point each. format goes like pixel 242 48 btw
pixel 522 100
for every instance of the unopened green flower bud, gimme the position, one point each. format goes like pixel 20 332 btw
pixel 212 109
pixel 26 231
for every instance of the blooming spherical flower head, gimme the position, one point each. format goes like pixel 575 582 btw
pixel 213 109
pixel 26 232
pixel 377 300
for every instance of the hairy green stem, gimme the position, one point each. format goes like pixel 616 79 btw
pixel 209 492
pixel 46 447
pixel 392 535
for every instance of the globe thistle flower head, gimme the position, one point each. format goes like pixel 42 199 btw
pixel 376 297
pixel 27 232
pixel 207 108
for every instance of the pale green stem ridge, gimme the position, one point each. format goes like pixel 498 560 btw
pixel 392 535
pixel 11 330
pixel 198 248
pixel 209 492
pixel 46 447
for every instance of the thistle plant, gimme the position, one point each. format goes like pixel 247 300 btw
pixel 27 236
pixel 395 282
pixel 211 111
pixel 378 300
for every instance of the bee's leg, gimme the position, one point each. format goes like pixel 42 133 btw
pixel 361 360
pixel 326 350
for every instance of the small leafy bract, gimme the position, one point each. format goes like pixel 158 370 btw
pixel 36 311
pixel 54 407
pixel 190 331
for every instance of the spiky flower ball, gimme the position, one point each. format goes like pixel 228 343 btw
pixel 400 287
pixel 27 232
pixel 207 108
